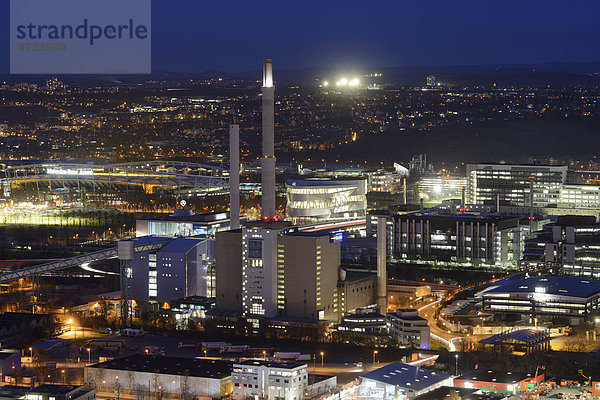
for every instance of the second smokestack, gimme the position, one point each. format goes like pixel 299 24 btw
pixel 234 173
pixel 268 143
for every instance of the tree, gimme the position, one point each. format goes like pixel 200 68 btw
pixel 117 389
pixel 184 386
pixel 158 389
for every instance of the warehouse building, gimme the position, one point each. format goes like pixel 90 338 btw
pixel 543 297
pixel 501 382
pixel 404 381
pixel 165 375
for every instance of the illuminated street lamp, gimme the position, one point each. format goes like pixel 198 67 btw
pixel 89 355
pixel 456 357
pixel 374 354
pixel 322 356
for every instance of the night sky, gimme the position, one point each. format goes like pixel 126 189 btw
pixel 193 35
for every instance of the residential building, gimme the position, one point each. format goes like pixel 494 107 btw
pixel 269 380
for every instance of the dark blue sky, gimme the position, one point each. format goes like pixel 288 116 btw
pixel 234 35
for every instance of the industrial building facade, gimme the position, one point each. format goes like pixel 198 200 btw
pixel 570 245
pixel 457 239
pixel 281 272
pixel 183 267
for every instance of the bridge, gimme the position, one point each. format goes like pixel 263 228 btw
pixel 146 174
pixel 142 244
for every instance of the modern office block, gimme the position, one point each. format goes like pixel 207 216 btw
pixel 511 182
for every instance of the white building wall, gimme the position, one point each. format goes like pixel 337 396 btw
pixel 268 382
pixel 106 380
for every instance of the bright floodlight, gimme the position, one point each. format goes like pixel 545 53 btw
pixel 343 82
pixel 325 83
pixel 354 82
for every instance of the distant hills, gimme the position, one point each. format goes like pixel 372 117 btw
pixel 587 74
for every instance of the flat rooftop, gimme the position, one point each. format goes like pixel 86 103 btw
pixel 572 286
pixel 406 376
pixel 61 390
pixel 271 364
pixel 508 377
pixel 196 367
pixel 206 217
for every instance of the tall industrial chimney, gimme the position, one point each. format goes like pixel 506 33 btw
pixel 234 173
pixel 381 265
pixel 268 143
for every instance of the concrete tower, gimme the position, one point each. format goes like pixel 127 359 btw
pixel 381 265
pixel 234 173
pixel 125 253
pixel 268 143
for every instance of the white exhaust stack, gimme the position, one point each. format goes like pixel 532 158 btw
pixel 268 143
pixel 234 173
pixel 381 265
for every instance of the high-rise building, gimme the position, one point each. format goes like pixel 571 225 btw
pixel 308 271
pixel 431 81
pixel 512 183
pixel 259 267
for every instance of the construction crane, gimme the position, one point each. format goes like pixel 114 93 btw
pixel 537 386
pixel 588 379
